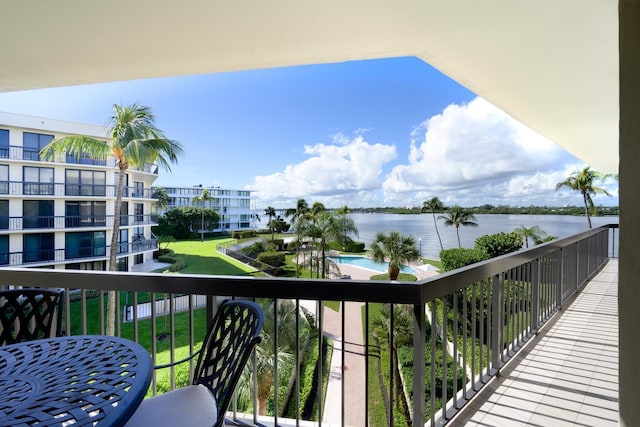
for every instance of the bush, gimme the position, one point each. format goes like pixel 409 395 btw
pixel 461 257
pixel 243 234
pixel 274 259
pixel 347 247
pixel 253 250
pixel 499 244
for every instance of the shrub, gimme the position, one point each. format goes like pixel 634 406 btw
pixel 243 234
pixel 347 247
pixel 499 244
pixel 274 259
pixel 253 250
pixel 461 257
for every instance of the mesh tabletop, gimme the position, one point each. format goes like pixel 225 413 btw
pixel 78 380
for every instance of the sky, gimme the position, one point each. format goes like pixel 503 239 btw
pixel 391 132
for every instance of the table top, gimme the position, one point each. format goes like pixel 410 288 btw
pixel 77 380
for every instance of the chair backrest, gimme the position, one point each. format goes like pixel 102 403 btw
pixel 30 314
pixel 233 334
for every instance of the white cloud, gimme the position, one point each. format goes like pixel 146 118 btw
pixel 475 154
pixel 334 174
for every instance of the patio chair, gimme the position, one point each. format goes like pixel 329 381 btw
pixel 229 342
pixel 30 314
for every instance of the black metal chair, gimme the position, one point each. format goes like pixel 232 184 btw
pixel 30 314
pixel 234 333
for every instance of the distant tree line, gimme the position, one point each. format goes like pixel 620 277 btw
pixel 501 209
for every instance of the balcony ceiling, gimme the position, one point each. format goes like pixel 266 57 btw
pixel 551 64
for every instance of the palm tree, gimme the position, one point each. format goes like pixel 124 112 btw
pixel 394 248
pixel 162 199
pixel 330 227
pixel 457 217
pixel 402 334
pixel 204 197
pixel 582 181
pixel 135 141
pixel 270 212
pixel 434 205
pixel 297 217
pixel 534 233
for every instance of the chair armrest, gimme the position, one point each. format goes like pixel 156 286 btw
pixel 168 365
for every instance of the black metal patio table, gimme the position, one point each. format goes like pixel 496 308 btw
pixel 77 380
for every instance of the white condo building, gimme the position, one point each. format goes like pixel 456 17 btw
pixel 235 207
pixel 60 214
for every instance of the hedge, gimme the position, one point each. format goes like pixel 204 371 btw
pixel 461 257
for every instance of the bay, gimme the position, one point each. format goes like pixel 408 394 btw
pixel 422 228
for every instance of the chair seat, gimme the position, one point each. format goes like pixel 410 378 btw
pixel 190 406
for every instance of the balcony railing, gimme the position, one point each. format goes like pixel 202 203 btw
pixel 20 188
pixel 16 223
pixel 16 152
pixel 56 256
pixel 464 325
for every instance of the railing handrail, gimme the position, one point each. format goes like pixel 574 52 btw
pixel 313 289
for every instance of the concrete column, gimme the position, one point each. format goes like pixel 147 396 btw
pixel 629 267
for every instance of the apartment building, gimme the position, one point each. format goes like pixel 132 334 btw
pixel 60 214
pixel 235 207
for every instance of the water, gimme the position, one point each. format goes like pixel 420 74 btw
pixel 364 262
pixel 421 227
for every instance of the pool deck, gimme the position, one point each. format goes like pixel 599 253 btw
pixel 359 273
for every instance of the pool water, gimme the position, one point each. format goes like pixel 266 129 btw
pixel 364 262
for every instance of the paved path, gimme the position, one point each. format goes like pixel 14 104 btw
pixel 570 377
pixel 354 367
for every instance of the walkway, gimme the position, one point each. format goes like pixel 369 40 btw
pixel 570 377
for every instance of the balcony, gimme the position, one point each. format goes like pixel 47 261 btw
pixel 43 257
pixel 16 223
pixel 17 152
pixel 475 327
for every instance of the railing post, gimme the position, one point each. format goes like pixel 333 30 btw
pixel 497 309
pixel 560 284
pixel 535 294
pixel 419 334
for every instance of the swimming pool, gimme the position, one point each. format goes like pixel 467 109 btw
pixel 364 262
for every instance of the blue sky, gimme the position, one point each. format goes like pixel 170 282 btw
pixel 391 132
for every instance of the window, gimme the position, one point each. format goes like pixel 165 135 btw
pixel 138 189
pixel 122 264
pixel 4 250
pixel 138 211
pixel 4 179
pixel 37 181
pixel 4 214
pixel 37 214
pixel 85 245
pixel 124 213
pixel 85 214
pixel 85 183
pixel 32 143
pixel 123 241
pixel 4 144
pixel 38 247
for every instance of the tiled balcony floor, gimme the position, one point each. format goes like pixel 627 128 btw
pixel 570 376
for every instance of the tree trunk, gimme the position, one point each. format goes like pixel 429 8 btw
pixel 393 271
pixel 264 389
pixel 586 209
pixel 113 251
pixel 435 223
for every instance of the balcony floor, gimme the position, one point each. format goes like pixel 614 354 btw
pixel 570 376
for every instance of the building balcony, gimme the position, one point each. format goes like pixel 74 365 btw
pixel 459 337
pixel 44 257
pixel 30 223
pixel 16 152
pixel 20 188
